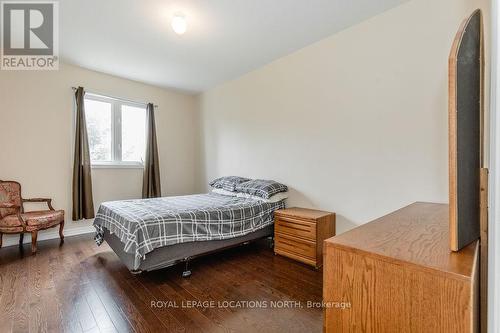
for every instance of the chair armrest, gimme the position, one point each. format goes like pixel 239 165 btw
pixel 21 220
pixel 48 201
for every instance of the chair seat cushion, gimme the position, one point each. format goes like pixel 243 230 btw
pixel 35 220
pixel 43 217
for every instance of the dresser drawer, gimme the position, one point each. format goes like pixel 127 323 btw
pixel 295 227
pixel 295 245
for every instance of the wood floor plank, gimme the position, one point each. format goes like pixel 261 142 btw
pixel 112 311
pixel 80 287
pixel 169 321
pixel 191 318
pixel 45 270
pixel 99 312
pixel 7 298
pixel 21 307
pixel 69 282
pixel 106 284
pixel 220 286
pixel 253 288
pixel 51 303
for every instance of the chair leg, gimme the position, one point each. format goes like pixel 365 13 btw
pixel 34 235
pixel 21 239
pixel 61 229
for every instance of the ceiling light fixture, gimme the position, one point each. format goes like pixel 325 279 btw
pixel 179 24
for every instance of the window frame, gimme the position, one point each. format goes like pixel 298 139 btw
pixel 116 132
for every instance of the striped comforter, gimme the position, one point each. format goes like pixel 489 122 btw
pixel 147 224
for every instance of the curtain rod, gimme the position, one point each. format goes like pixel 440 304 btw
pixel 114 97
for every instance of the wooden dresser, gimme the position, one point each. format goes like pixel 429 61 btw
pixel 299 234
pixel 397 274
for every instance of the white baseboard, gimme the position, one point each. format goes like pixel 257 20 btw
pixel 11 240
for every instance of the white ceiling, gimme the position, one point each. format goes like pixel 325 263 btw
pixel 225 38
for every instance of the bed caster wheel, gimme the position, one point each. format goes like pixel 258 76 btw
pixel 187 271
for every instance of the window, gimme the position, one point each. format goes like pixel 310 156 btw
pixel 116 131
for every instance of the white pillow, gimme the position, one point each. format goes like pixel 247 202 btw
pixel 275 198
pixel 223 192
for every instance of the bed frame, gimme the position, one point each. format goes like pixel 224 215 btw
pixel 173 254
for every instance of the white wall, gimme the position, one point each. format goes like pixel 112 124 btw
pixel 356 123
pixel 36 137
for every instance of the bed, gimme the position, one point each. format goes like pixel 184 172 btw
pixel 150 234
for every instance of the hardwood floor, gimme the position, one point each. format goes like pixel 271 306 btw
pixel 80 287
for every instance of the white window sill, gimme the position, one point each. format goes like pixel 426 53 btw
pixel 114 165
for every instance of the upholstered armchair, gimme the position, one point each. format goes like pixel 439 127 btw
pixel 14 220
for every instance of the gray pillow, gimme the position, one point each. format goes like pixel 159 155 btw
pixel 261 188
pixel 228 183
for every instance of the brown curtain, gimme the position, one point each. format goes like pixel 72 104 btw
pixel 151 187
pixel 83 204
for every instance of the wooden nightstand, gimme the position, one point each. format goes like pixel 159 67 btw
pixel 299 234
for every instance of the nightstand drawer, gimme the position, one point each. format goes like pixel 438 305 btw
pixel 297 257
pixel 295 227
pixel 295 245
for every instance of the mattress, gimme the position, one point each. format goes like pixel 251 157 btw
pixel 147 224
